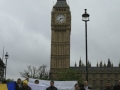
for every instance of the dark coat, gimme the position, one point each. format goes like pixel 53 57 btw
pixel 109 88
pixel 117 87
pixel 17 87
pixel 82 88
pixel 25 88
pixel 51 88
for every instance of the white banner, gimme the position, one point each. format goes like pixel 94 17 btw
pixel 37 87
pixel 61 85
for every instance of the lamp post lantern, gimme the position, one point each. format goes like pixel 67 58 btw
pixel 85 18
pixel 6 57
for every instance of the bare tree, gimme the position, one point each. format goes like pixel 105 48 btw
pixel 33 72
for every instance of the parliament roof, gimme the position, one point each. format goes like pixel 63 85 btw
pixel 97 68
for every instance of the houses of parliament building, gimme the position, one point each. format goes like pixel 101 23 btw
pixel 60 50
pixel 99 75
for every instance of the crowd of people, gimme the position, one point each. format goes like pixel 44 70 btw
pixel 115 87
pixel 23 85
pixel 85 86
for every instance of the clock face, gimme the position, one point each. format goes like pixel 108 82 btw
pixel 60 19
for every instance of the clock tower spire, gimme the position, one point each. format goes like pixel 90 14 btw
pixel 60 38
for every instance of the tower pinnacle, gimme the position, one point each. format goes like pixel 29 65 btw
pixel 61 3
pixel 61 0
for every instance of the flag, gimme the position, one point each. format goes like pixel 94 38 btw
pixel 11 86
pixel 8 86
pixel 3 87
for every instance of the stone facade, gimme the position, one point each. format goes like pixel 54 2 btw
pixel 2 67
pixel 60 37
pixel 101 74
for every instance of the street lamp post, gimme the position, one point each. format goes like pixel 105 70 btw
pixel 85 18
pixel 6 57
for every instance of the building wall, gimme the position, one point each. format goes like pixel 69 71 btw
pixel 99 76
pixel 1 70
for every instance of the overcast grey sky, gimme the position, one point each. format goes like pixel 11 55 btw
pixel 25 32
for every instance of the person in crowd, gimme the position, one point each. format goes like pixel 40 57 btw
pixel 52 87
pixel 77 87
pixel 108 86
pixel 27 78
pixel 18 84
pixel 117 87
pixel 81 87
pixel 36 82
pixel 86 87
pixel 25 85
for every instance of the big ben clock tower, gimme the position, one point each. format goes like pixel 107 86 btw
pixel 60 38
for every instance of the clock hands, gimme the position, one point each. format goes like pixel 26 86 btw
pixel 60 19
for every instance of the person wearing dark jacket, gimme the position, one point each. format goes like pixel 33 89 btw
pixel 18 84
pixel 36 81
pixel 86 87
pixel 117 87
pixel 25 86
pixel 52 87
pixel 108 87
pixel 76 87
pixel 81 87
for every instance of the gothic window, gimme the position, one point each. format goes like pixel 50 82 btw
pixel 101 75
pixel 108 81
pixel 101 88
pixel 55 49
pixel 57 36
pixel 94 75
pixel 58 49
pixel 94 82
pixel 101 82
pixel 62 36
pixel 116 81
pixel 116 75
pixel 108 75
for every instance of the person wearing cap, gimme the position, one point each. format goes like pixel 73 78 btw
pixel 25 86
